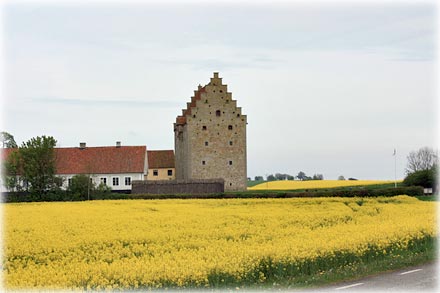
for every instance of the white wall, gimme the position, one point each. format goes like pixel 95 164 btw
pixel 96 178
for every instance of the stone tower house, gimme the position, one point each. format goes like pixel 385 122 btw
pixel 210 137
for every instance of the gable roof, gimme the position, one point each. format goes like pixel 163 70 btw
pixel 101 160
pixel 97 160
pixel 161 159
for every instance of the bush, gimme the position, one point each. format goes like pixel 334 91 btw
pixel 67 196
pixel 425 178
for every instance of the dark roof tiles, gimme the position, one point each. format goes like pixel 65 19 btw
pixel 161 159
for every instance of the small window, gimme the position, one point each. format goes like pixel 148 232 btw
pixel 69 181
pixel 155 173
pixel 127 180
pixel 230 127
pixel 206 143
pixel 230 142
pixel 194 116
pixel 230 163
pixel 170 172
pixel 104 180
pixel 238 115
pixel 227 101
pixel 230 184
pixel 221 91
pixel 203 163
pixel 206 101
pixel 218 113
pixel 203 127
pixel 115 181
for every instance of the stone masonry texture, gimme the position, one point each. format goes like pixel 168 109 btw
pixel 210 137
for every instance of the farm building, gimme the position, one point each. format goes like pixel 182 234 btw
pixel 161 165
pixel 210 137
pixel 115 166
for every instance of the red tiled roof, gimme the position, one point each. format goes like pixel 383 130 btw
pixel 97 160
pixel 180 120
pixel 4 153
pixel 101 160
pixel 160 159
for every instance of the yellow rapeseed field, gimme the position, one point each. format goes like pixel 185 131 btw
pixel 129 244
pixel 312 184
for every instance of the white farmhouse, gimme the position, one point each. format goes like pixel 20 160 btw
pixel 115 166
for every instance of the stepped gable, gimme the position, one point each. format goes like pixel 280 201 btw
pixel 181 120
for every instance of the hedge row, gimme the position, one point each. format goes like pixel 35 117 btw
pixel 411 191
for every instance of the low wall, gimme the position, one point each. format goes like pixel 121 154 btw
pixel 195 186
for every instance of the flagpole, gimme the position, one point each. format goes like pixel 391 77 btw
pixel 395 168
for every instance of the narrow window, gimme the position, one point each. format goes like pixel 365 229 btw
pixel 221 91
pixel 218 113
pixel 115 181
pixel 230 142
pixel 230 127
pixel 155 173
pixel 127 180
pixel 104 180
pixel 69 181
pixel 230 184
pixel 206 143
pixel 203 163
pixel 203 127
pixel 238 115
pixel 194 116
pixel 170 172
pixel 230 163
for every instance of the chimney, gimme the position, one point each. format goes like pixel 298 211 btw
pixel 215 74
pixel 118 144
pixel 82 145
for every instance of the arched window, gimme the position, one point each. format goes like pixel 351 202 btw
pixel 218 113
pixel 230 127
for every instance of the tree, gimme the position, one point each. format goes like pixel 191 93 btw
pixel 280 176
pixel 423 159
pixel 37 157
pixel 259 178
pixel 290 177
pixel 11 172
pixel 318 177
pixel 271 178
pixel 341 178
pixel 7 140
pixel 81 186
pixel 301 175
pixel 425 178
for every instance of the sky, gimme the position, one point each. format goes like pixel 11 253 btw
pixel 329 87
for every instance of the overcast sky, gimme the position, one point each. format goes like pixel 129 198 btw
pixel 329 88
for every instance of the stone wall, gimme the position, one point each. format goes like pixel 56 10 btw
pixel 200 186
pixel 210 138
